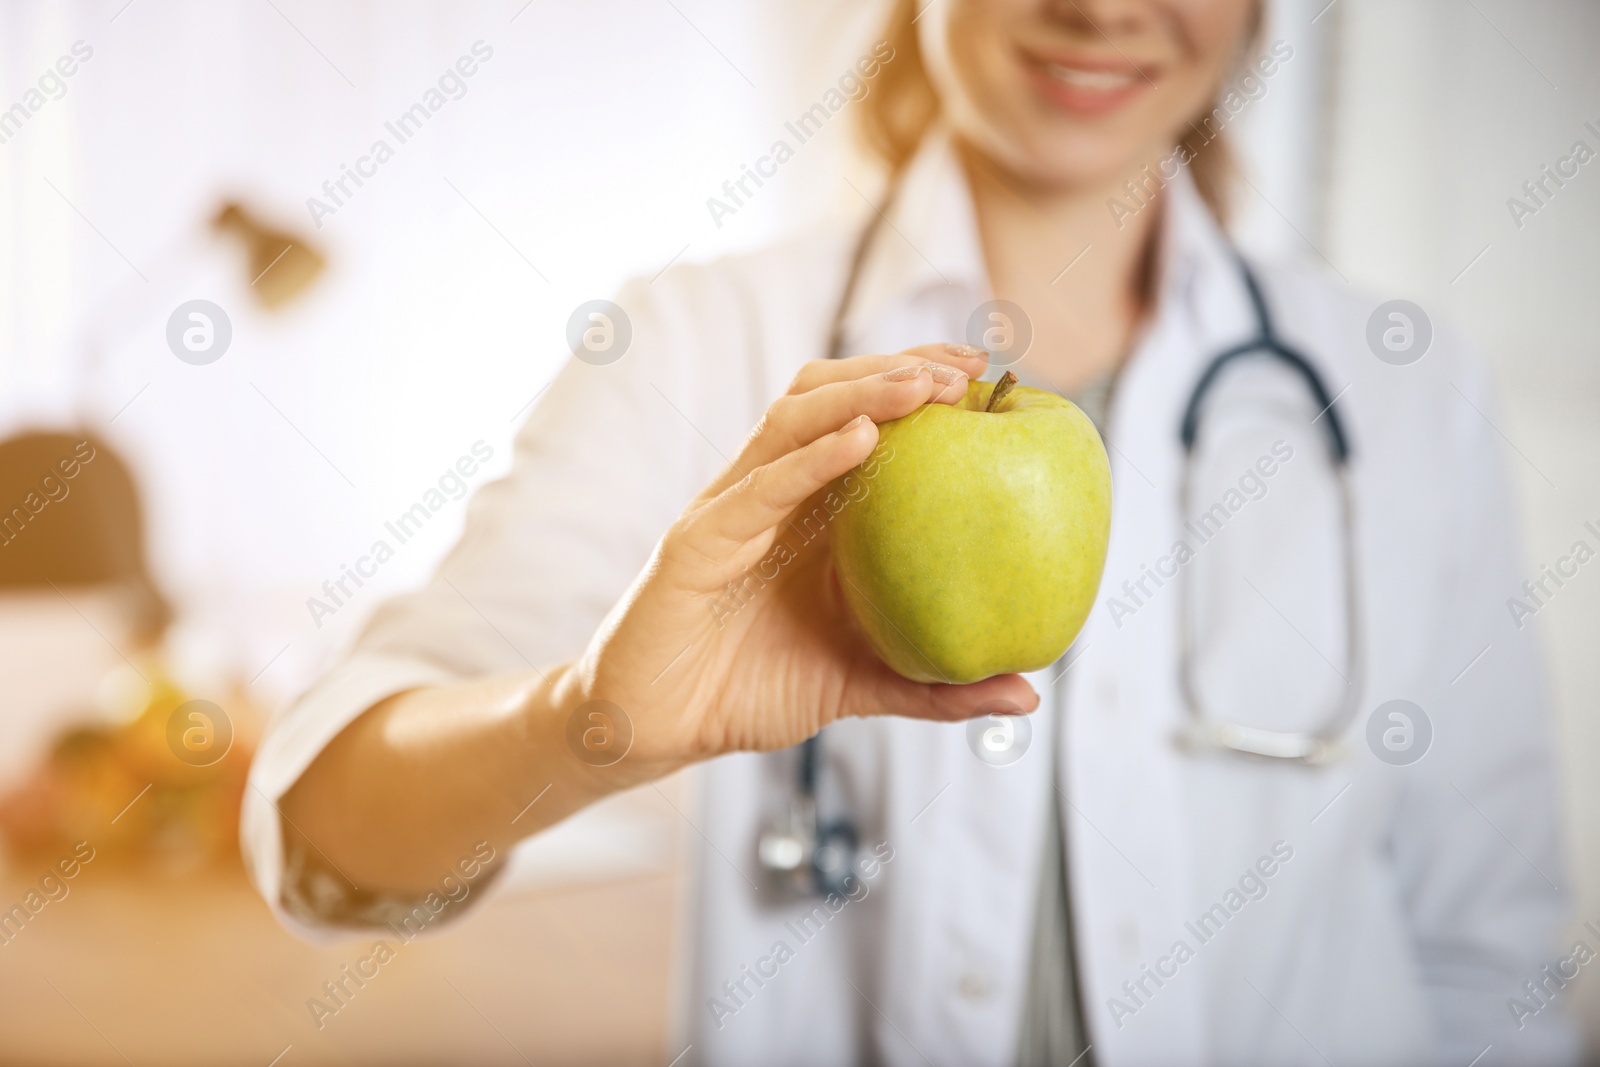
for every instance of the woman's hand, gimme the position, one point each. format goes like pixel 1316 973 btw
pixel 735 636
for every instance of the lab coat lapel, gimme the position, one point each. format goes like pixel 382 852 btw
pixel 1128 839
pixel 927 244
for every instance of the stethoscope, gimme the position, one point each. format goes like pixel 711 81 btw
pixel 805 853
pixel 1205 732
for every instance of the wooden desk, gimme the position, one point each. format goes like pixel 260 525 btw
pixel 194 970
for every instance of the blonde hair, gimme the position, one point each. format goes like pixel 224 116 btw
pixel 894 118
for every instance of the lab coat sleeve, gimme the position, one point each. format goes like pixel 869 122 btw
pixel 607 459
pixel 1478 836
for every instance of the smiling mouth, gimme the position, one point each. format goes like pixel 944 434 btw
pixel 1098 81
pixel 1087 85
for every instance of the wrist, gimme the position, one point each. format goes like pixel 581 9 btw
pixel 590 741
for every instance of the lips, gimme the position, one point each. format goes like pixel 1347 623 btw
pixel 1101 81
pixel 1086 85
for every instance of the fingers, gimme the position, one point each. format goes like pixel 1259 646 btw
pixel 756 504
pixel 798 419
pixel 970 361
pixel 889 694
pixel 799 447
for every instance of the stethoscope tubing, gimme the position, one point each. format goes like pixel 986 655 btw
pixel 1205 732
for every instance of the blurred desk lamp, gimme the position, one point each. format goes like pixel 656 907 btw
pixel 73 518
pixel 103 543
pixel 279 267
pixel 281 264
pixel 73 523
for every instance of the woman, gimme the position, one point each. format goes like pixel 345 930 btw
pixel 1116 898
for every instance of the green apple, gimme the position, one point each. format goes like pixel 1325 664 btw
pixel 977 544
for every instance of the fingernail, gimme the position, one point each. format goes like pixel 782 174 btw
pixel 902 374
pixel 854 424
pixel 967 351
pixel 944 375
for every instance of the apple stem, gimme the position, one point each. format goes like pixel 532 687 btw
pixel 1001 388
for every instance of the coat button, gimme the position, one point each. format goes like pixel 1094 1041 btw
pixel 975 985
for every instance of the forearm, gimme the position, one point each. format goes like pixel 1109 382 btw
pixel 411 786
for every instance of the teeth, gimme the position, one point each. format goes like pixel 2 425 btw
pixel 1104 81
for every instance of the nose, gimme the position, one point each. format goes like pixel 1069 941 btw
pixel 1098 20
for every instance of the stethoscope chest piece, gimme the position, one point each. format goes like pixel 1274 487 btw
pixel 801 854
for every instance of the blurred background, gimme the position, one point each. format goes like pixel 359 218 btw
pixel 355 343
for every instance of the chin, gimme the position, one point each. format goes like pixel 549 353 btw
pixel 1081 161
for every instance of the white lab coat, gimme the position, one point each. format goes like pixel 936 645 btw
pixel 1415 901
